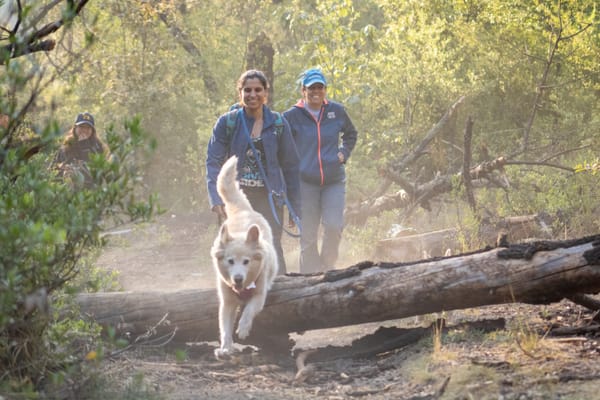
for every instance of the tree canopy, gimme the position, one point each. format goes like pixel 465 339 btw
pixel 528 72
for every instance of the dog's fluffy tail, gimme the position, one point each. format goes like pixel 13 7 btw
pixel 229 188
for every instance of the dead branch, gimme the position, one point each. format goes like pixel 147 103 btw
pixel 396 168
pixel 540 163
pixel 586 301
pixel 467 156
pixel 32 43
pixel 357 214
pixel 393 173
pixel 575 330
pixel 420 195
pixel 562 153
pixel 540 90
pixel 414 196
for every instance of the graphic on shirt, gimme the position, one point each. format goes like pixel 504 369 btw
pixel 250 175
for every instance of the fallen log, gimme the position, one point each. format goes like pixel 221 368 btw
pixel 538 273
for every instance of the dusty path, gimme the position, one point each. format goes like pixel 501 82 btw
pixel 169 254
pixel 172 253
pixel 522 361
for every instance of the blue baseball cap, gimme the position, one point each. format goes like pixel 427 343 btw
pixel 85 118
pixel 312 76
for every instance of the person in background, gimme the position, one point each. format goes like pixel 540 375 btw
pixel 79 142
pixel 275 149
pixel 325 137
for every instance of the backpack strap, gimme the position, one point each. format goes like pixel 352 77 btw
pixel 231 120
pixel 278 123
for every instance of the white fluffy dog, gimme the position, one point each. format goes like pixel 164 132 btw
pixel 244 258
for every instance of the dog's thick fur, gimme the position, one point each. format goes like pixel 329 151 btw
pixel 244 258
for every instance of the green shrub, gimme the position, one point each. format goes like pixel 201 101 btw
pixel 47 229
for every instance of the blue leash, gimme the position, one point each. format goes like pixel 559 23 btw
pixel 271 193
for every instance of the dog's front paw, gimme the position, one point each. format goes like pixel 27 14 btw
pixel 223 353
pixel 244 327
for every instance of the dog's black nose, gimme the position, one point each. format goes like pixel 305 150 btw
pixel 238 279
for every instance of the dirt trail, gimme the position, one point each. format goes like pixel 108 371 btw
pixel 167 255
pixel 522 361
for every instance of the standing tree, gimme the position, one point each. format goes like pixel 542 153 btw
pixel 260 56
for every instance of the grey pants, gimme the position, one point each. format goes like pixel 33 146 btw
pixel 321 205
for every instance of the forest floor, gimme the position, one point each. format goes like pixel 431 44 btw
pixel 514 351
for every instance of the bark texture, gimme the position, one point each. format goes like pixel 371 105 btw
pixel 540 272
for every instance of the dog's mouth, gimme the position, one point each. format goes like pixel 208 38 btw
pixel 239 287
pixel 244 293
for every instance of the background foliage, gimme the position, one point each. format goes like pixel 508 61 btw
pixel 529 71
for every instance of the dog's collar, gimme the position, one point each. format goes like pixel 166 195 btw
pixel 245 293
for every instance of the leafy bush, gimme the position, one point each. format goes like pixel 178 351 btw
pixel 47 227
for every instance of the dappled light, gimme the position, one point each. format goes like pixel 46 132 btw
pixel 468 260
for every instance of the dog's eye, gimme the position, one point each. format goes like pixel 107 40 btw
pixel 246 261
pixel 231 261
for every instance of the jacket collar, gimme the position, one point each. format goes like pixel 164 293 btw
pixel 300 103
pixel 268 117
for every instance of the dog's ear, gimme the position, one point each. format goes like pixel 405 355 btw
pixel 224 234
pixel 253 235
pixel 219 254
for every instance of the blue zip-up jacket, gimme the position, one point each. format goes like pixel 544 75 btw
pixel 281 155
pixel 318 142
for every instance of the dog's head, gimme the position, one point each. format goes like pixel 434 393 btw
pixel 239 259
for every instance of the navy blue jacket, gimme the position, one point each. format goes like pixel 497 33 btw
pixel 318 142
pixel 281 155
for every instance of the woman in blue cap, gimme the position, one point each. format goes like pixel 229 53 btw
pixel 325 137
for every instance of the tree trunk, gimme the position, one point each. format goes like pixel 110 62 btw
pixel 260 56
pixel 540 272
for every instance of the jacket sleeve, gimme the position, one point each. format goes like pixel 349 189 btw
pixel 287 115
pixel 349 136
pixel 216 154
pixel 289 161
pixel 60 157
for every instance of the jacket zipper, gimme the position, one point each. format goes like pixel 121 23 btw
pixel 319 144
